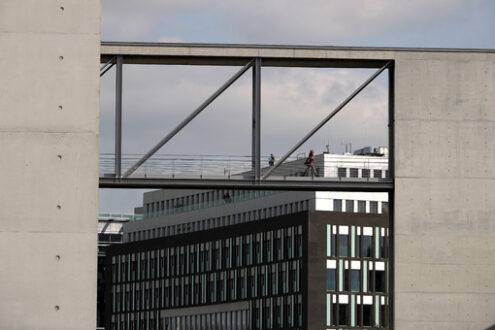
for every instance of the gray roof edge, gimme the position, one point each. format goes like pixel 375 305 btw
pixel 308 47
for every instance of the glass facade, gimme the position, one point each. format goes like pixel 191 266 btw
pixel 263 268
pixel 357 294
pixel 256 275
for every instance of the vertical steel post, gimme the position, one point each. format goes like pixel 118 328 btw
pixel 256 129
pixel 391 195
pixel 118 118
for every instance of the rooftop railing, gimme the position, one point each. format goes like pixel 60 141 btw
pixel 118 216
pixel 217 202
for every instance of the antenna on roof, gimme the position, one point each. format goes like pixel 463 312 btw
pixel 327 146
pixel 347 146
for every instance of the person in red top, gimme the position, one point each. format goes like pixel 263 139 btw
pixel 310 163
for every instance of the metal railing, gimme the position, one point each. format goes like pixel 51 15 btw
pixel 235 166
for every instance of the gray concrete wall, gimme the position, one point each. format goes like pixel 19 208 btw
pixel 444 169
pixel 445 190
pixel 49 95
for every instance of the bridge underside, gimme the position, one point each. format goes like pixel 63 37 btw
pixel 382 185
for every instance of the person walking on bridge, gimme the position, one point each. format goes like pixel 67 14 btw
pixel 310 164
pixel 271 160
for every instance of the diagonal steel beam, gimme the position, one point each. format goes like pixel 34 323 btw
pixel 107 66
pixel 327 118
pixel 186 121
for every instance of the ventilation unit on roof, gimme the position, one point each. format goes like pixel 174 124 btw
pixel 372 151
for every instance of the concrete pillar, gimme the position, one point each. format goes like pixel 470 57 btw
pixel 445 190
pixel 49 99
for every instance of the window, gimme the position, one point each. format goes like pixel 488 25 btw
pixel 349 206
pixel 343 314
pixel 358 243
pixel 341 172
pixel 353 172
pixel 385 208
pixel 337 205
pixel 380 281
pixel 383 251
pixel 331 279
pixel 367 246
pixel 373 207
pixel 355 280
pixel 377 173
pixel 343 245
pixel 367 315
pixel 362 206
pixel 365 173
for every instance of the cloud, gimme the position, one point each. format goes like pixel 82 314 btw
pixel 275 21
pixel 330 21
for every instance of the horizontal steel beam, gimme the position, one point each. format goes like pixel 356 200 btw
pixel 239 61
pixel 272 55
pixel 382 185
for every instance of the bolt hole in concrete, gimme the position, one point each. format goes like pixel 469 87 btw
pixel 57 307
pixel 57 257
pixel 60 107
pixel 61 58
pixel 59 156
pixel 62 8
pixel 59 207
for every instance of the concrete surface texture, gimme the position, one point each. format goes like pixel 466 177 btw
pixel 49 87
pixel 445 191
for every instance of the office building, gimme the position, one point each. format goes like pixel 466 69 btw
pixel 230 259
pixel 306 270
pixel 110 232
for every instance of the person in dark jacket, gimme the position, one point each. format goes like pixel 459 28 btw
pixel 271 160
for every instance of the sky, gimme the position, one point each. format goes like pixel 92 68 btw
pixel 156 98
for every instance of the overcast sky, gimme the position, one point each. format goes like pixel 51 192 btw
pixel 293 100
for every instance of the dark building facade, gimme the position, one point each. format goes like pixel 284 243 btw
pixel 308 270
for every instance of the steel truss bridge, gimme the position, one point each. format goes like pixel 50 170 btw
pixel 151 170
